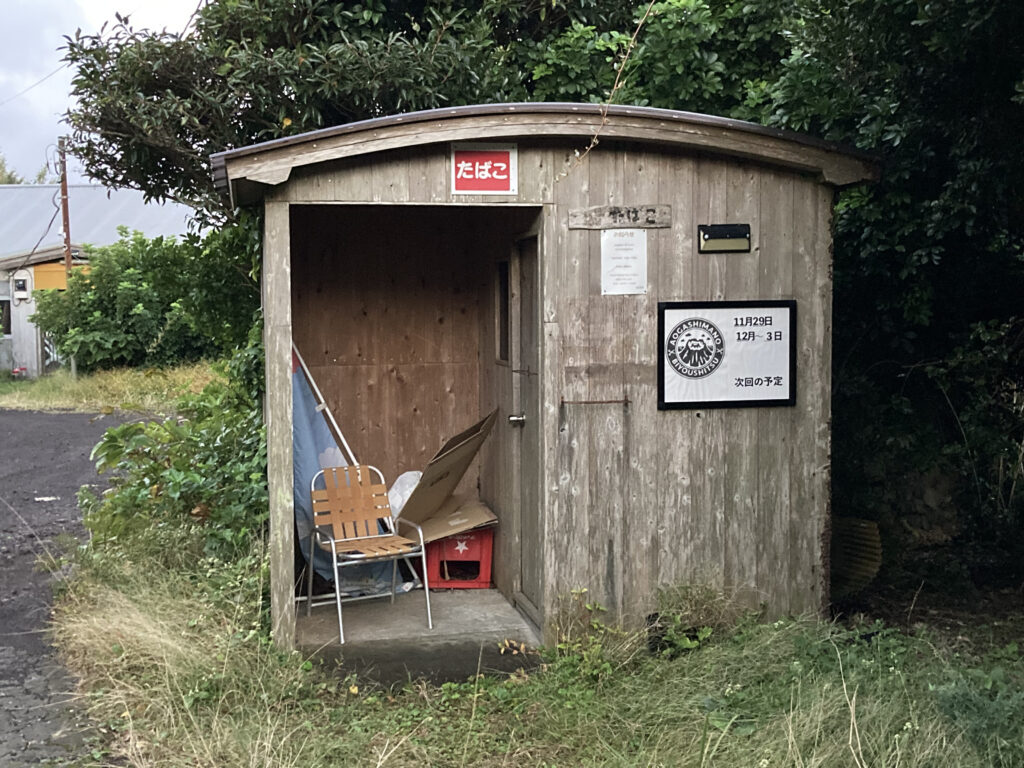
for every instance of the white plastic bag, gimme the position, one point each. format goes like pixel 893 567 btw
pixel 401 490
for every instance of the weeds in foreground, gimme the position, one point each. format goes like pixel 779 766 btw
pixel 166 622
pixel 149 390
pixel 175 665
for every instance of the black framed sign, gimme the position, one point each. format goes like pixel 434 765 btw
pixel 726 354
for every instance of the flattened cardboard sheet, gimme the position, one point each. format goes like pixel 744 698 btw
pixel 430 505
pixel 457 515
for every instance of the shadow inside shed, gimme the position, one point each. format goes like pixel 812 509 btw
pixel 394 311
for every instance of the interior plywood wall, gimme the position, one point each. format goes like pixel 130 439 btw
pixel 389 310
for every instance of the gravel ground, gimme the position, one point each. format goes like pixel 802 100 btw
pixel 44 460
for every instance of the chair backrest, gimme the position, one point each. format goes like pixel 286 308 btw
pixel 353 501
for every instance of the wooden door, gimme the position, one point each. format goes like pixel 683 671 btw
pixel 526 393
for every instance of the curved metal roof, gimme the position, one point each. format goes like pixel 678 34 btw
pixel 271 162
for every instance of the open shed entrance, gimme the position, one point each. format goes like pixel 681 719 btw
pixel 414 323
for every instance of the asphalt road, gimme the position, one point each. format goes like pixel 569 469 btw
pixel 44 460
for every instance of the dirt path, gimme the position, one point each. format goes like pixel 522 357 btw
pixel 44 459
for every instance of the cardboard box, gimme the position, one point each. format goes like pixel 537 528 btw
pixel 432 504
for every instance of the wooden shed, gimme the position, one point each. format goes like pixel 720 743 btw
pixel 643 294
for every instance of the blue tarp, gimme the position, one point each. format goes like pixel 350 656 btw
pixel 314 448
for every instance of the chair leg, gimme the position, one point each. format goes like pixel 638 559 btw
pixel 426 587
pixel 394 579
pixel 337 596
pixel 309 568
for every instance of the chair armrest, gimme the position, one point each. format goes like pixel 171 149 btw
pixel 419 531
pixel 323 532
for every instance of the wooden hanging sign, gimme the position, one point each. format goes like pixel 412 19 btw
pixel 621 217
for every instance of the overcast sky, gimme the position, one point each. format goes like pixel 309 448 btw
pixel 31 34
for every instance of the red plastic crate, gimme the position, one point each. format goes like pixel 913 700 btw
pixel 465 558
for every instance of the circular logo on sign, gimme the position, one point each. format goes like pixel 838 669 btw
pixel 695 348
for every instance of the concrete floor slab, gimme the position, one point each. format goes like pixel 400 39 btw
pixel 391 643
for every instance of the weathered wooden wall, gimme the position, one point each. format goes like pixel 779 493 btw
pixel 633 498
pixel 737 498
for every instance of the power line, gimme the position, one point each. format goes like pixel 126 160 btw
pixel 56 210
pixel 124 16
pixel 35 84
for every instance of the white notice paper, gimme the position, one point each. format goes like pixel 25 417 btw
pixel 623 261
pixel 717 354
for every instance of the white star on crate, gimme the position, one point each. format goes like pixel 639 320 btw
pixel 461 547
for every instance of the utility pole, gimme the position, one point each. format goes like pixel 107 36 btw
pixel 66 219
pixel 65 213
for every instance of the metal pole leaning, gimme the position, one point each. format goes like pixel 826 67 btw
pixel 322 407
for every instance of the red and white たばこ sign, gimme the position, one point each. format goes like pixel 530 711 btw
pixel 484 169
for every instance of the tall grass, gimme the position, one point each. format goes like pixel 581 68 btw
pixel 150 390
pixel 174 663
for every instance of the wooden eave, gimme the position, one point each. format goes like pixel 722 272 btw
pixel 247 172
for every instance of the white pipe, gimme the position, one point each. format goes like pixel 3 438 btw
pixel 322 406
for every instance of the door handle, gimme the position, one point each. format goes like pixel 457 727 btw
pixel 517 421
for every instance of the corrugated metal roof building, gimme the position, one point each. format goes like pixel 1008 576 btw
pixel 31 216
pixel 32 250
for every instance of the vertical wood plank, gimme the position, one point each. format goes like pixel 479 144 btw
pixel 535 173
pixel 680 525
pixel 308 184
pixel 552 237
pixel 740 438
pixel 707 446
pixel 277 335
pixel 821 500
pixel 428 174
pixel 389 175
pixel 549 380
pixel 714 448
pixel 604 420
pixel 776 427
pixel 550 441
pixel 355 181
pixel 568 267
pixel 638 337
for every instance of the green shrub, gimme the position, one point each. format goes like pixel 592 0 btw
pixel 203 471
pixel 156 302
pixel 980 381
